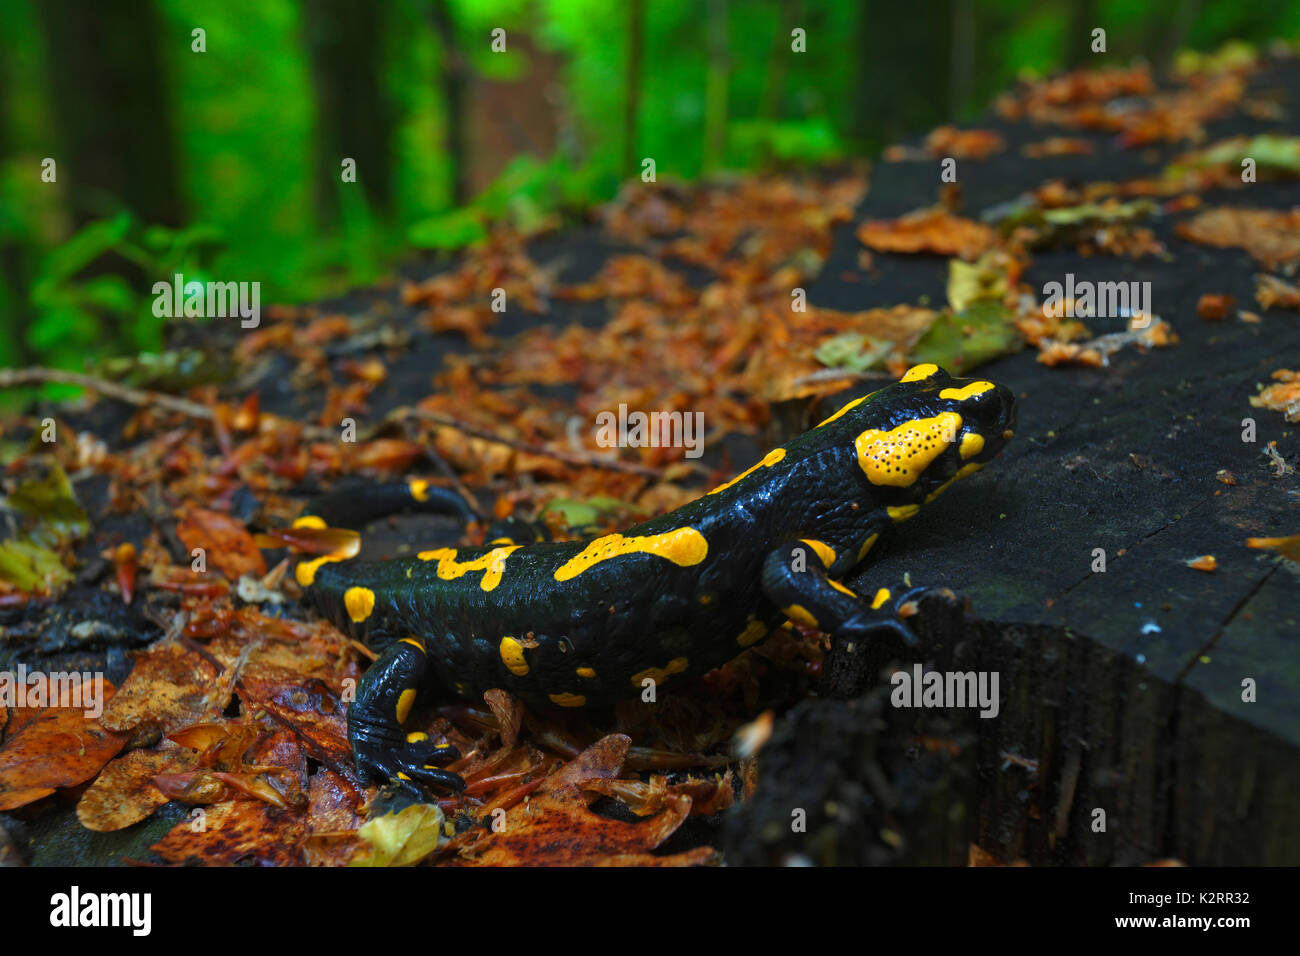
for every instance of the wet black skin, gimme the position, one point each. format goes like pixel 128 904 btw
pixel 639 611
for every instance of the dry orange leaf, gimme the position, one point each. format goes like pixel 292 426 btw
pixel 964 143
pixel 1288 547
pixel 124 793
pixel 556 828
pixel 1214 308
pixel 237 831
pixel 928 230
pixel 1283 397
pixel 1270 236
pixel 1271 291
pixel 1058 146
pixel 58 747
pixel 171 686
pixel 226 542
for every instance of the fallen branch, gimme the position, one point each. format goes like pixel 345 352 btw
pixel 17 377
pixel 576 459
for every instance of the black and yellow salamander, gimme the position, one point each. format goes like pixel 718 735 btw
pixel 569 624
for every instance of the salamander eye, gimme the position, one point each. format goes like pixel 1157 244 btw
pixel 984 406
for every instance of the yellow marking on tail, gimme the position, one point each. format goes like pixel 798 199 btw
pixel 512 655
pixel 405 701
pixel 866 546
pixel 824 551
pixel 492 564
pixel 840 587
pixel 660 674
pixel 360 603
pixel 754 632
pixel 306 570
pixel 800 614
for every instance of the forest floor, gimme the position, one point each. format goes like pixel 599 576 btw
pixel 1146 651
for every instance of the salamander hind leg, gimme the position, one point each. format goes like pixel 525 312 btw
pixel 384 751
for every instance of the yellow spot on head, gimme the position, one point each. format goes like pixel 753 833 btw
pixel 512 655
pixel 918 372
pixel 360 602
pixel 972 443
pixel 419 489
pixel 405 701
pixel 310 521
pixel 418 737
pixel 824 551
pixel 881 597
pixel 492 564
pixel 899 456
pixel 866 546
pixel 568 700
pixel 770 459
pixel 800 614
pixel 845 410
pixel 660 674
pixel 754 632
pixel 414 643
pixel 684 547
pixel 966 391
pixel 586 672
pixel 902 512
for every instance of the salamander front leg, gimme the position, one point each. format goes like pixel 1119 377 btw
pixel 384 752
pixel 865 633
pixel 796 580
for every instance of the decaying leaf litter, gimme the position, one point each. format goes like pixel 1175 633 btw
pixel 236 709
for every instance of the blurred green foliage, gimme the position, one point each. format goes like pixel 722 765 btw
pixel 244 133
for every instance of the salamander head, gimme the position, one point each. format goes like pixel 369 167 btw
pixel 916 437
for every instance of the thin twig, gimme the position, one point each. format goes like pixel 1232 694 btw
pixel 569 458
pixel 17 377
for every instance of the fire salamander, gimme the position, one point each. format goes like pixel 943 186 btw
pixel 570 624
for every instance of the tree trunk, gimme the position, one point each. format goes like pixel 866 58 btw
pixel 353 116
pixel 715 92
pixel 632 88
pixel 454 83
pixel 111 109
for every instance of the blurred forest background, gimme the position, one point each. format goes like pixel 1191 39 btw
pixel 225 164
